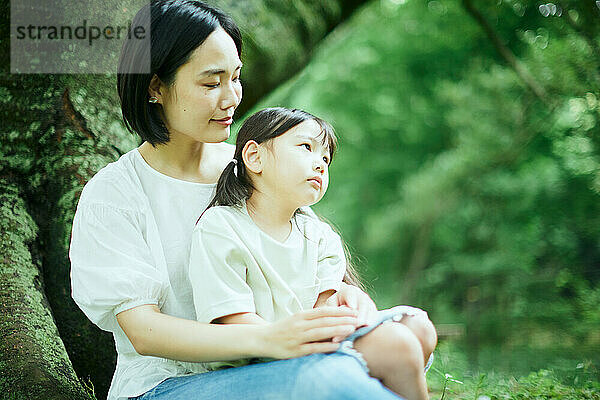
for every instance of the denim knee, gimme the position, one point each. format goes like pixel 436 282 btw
pixel 338 376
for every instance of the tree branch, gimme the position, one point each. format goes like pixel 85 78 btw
pixel 507 54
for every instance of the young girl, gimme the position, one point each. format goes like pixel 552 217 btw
pixel 258 255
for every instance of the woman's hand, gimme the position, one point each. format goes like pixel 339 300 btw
pixel 307 332
pixel 356 299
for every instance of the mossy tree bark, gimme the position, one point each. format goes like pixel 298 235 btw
pixel 57 131
pixel 32 356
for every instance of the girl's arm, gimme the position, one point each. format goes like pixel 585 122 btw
pixel 324 297
pixel 253 318
pixel 240 318
pixel 349 296
pixel 331 268
pixel 356 299
pixel 153 333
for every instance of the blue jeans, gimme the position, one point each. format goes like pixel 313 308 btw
pixel 314 377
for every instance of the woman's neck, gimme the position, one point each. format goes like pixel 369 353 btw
pixel 270 215
pixel 193 161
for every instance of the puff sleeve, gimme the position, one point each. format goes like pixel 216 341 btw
pixel 217 270
pixel 113 267
pixel 331 264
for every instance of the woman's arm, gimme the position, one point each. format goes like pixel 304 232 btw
pixel 153 333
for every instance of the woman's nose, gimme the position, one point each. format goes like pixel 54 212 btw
pixel 232 96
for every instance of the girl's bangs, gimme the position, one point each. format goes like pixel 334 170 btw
pixel 327 135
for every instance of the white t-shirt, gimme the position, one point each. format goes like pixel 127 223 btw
pixel 236 267
pixel 130 246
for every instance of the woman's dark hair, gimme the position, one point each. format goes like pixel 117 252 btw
pixel 177 28
pixel 235 187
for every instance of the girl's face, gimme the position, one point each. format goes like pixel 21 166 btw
pixel 297 165
pixel 199 106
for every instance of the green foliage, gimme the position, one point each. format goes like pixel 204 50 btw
pixel 451 378
pixel 465 192
pixel 540 385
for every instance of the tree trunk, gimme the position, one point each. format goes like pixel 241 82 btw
pixel 279 37
pixel 57 131
pixel 33 359
pixel 418 261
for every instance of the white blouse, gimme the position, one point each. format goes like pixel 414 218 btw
pixel 130 246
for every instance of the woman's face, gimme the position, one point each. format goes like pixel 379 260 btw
pixel 200 104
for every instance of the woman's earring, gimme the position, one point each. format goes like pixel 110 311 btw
pixel 153 100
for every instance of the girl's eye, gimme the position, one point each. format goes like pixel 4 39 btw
pixel 212 85
pixel 306 146
pixel 326 159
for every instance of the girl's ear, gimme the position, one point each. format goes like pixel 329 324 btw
pixel 251 155
pixel 154 89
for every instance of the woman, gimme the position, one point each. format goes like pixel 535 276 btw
pixel 132 229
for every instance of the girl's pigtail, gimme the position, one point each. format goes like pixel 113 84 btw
pixel 233 186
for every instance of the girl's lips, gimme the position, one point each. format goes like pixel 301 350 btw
pixel 315 182
pixel 225 121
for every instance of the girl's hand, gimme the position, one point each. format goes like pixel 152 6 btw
pixel 356 299
pixel 307 332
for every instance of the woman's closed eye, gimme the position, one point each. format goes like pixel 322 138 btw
pixel 215 85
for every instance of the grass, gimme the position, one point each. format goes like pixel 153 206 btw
pixel 451 378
